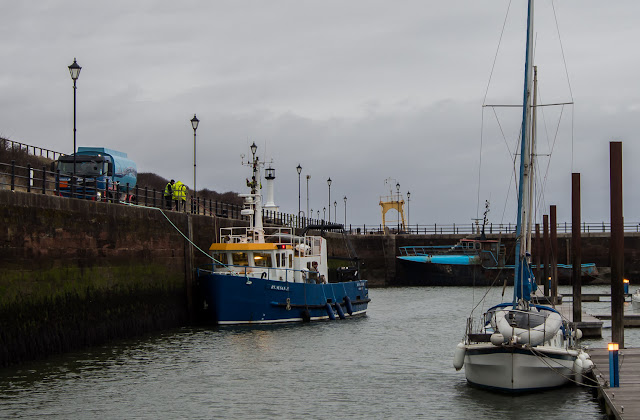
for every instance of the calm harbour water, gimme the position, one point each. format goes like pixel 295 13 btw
pixel 394 363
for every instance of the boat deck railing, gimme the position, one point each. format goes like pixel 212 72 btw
pixel 307 245
pixel 435 249
pixel 268 273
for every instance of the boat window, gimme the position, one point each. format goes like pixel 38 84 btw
pixel 262 259
pixel 240 258
pixel 290 260
pixel 277 259
pixel 221 257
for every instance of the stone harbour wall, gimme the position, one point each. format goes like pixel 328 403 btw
pixel 75 273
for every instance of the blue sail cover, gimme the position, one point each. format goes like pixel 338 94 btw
pixel 525 282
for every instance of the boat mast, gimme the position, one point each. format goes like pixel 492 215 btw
pixel 256 184
pixel 532 158
pixel 522 288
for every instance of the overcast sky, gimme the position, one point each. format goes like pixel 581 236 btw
pixel 359 91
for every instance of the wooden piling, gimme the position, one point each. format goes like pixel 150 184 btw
pixel 576 248
pixel 538 250
pixel 617 244
pixel 547 248
pixel 554 253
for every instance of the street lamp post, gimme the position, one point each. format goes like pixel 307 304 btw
pixel 329 183
pixel 324 212
pixel 409 209
pixel 335 211
pixel 308 214
pixel 345 211
pixel 194 125
pixel 299 169
pixel 398 189
pixel 74 71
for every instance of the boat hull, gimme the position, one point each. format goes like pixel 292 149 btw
pixel 233 300
pixel 415 273
pixel 517 368
pixel 419 273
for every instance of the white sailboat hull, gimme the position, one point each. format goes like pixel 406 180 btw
pixel 517 368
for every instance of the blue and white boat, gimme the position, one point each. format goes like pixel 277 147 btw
pixel 262 275
pixel 518 346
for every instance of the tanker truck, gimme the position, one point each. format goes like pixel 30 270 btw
pixel 100 174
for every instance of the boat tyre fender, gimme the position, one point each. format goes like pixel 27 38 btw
pixel 329 309
pixel 306 316
pixel 340 311
pixel 347 303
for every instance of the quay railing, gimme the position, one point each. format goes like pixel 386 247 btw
pixel 473 229
pixel 6 144
pixel 39 180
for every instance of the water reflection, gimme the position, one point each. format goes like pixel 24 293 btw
pixel 396 362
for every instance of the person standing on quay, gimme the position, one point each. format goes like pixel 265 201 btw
pixel 176 194
pixel 183 196
pixel 168 194
pixel 180 195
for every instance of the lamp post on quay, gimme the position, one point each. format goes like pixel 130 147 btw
pixel 329 184
pixel 194 125
pixel 409 209
pixel 74 71
pixel 335 211
pixel 398 189
pixel 299 169
pixel 324 213
pixel 345 211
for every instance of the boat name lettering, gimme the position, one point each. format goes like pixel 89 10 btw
pixel 283 288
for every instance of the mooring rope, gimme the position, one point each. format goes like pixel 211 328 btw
pixel 181 233
pixel 543 358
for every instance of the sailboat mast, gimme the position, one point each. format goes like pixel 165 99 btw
pixel 532 163
pixel 520 289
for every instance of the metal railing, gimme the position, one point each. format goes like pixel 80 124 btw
pixel 31 150
pixel 42 181
pixel 472 229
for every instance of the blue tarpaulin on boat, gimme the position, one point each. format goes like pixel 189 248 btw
pixel 443 259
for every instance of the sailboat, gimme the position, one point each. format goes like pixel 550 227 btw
pixel 520 346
